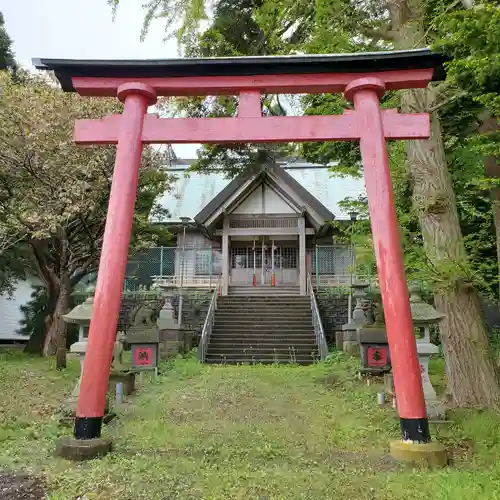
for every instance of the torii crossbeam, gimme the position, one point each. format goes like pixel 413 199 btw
pixel 363 78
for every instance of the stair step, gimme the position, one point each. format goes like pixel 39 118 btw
pixel 264 330
pixel 244 344
pixel 262 356
pixel 250 328
pixel 252 293
pixel 262 352
pixel 291 314
pixel 258 320
pixel 309 360
pixel 273 322
pixel 302 362
pixel 270 298
pixel 268 311
pixel 264 303
pixel 302 340
pixel 253 334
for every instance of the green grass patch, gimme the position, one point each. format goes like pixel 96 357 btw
pixel 225 432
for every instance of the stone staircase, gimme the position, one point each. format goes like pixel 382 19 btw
pixel 262 329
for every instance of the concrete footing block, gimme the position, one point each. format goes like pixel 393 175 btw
pixel 350 347
pixel 432 454
pixel 127 379
pixel 79 450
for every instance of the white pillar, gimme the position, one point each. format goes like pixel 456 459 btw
pixel 302 256
pixel 263 260
pixel 225 257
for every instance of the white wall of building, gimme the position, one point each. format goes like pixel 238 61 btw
pixel 275 204
pixel 263 200
pixel 10 312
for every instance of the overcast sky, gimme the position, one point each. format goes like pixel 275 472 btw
pixel 84 29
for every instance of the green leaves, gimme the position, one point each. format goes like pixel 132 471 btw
pixel 186 13
pixel 7 60
pixel 52 191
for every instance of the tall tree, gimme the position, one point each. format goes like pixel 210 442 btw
pixel 471 371
pixel 54 194
pixel 471 37
pixel 7 60
pixel 9 268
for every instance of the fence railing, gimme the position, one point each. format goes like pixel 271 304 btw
pixel 176 266
pixel 329 266
pixel 317 324
pixel 209 323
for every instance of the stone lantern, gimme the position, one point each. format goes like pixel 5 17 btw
pixel 166 319
pixel 350 342
pixel 424 316
pixel 81 316
pixel 171 338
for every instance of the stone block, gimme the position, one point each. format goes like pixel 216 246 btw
pixel 350 334
pixel 372 335
pixel 187 335
pixel 339 340
pixel 143 336
pixel 350 347
pixel 79 450
pixel 127 379
pixel 430 454
pixel 170 343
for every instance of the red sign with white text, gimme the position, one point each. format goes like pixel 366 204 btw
pixel 143 356
pixel 377 356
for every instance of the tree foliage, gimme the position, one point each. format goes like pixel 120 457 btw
pixel 54 194
pixel 7 60
pixel 180 17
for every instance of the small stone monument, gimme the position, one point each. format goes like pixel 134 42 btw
pixel 372 338
pixel 350 342
pixel 423 316
pixel 119 372
pixel 171 334
pixel 144 336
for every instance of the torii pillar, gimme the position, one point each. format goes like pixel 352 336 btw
pixel 138 85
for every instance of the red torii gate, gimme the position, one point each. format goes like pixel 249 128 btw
pixel 363 78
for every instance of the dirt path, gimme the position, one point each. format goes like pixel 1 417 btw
pixel 20 487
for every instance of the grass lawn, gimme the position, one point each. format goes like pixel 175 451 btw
pixel 253 432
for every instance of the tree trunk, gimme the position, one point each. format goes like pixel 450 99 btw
pixel 55 341
pixel 471 372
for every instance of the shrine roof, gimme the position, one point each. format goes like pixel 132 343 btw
pixel 192 191
pixel 358 62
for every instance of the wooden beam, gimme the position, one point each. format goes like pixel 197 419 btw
pixel 265 84
pixel 253 130
pixel 263 231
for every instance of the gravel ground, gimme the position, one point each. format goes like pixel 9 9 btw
pixel 20 487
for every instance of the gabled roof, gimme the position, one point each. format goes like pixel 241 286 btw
pixel 193 191
pixel 250 175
